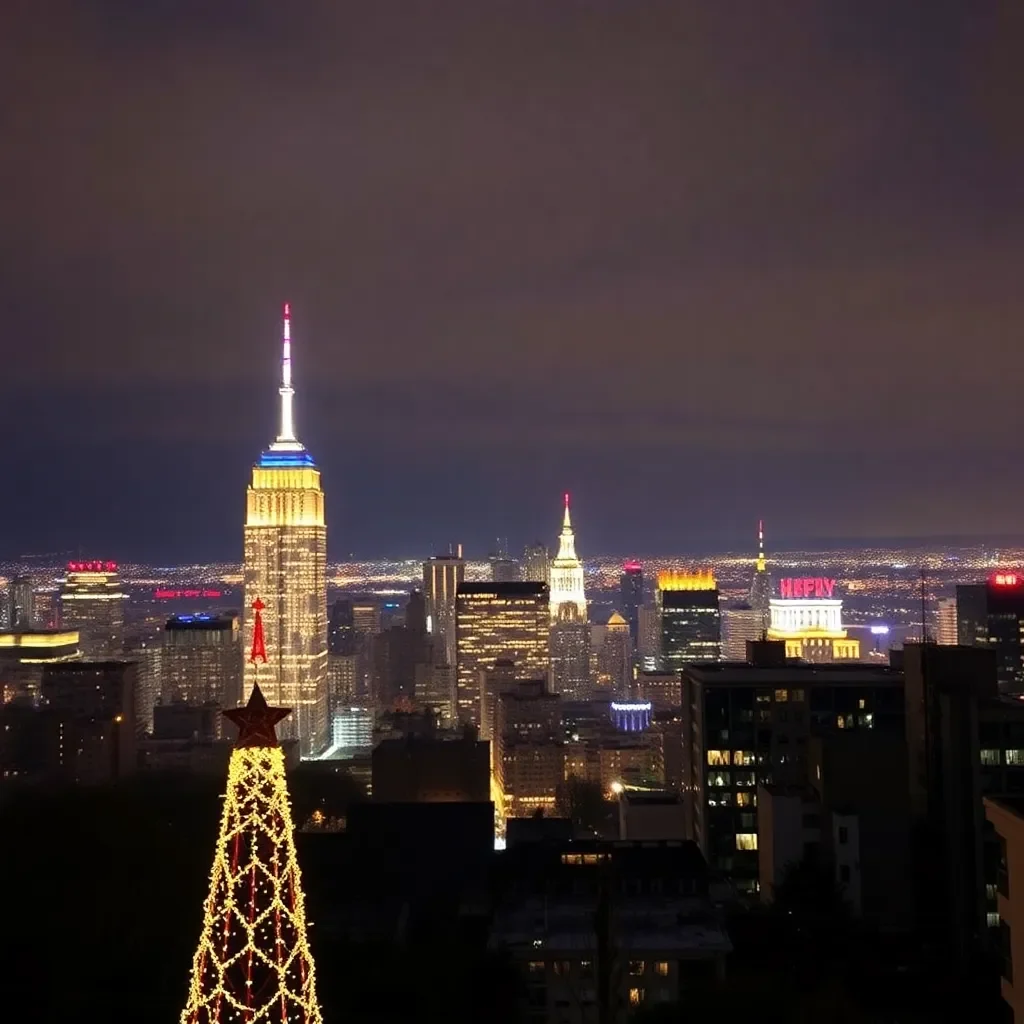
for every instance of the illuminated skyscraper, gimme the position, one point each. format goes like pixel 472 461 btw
pixel 690 619
pixel 442 577
pixel 286 569
pixel 92 602
pixel 945 630
pixel 201 660
pixel 761 587
pixel 20 606
pixel 568 602
pixel 498 620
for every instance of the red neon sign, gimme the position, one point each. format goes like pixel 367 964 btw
pixel 1005 579
pixel 173 595
pixel 806 587
pixel 96 566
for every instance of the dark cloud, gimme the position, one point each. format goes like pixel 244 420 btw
pixel 695 260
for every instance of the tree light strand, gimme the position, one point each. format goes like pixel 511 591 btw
pixel 253 964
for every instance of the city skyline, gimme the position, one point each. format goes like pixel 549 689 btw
pixel 735 255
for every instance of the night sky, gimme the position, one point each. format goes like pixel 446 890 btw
pixel 696 262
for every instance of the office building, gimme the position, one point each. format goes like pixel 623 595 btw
pixel 613 645
pixel 503 569
pixel 201 660
pixel 741 622
pixel 442 577
pixel 648 643
pixel 631 595
pixel 24 655
pixel 568 601
pixel 945 622
pixel 749 725
pixel 570 659
pixel 92 604
pixel 690 619
pixel 536 564
pixel 662 690
pixel 20 606
pixel 808 617
pixel 529 753
pixel 991 614
pixel 286 572
pixel 341 628
pixel 498 620
pixel 352 730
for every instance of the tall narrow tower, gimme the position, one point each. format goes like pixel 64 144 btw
pixel 567 597
pixel 761 585
pixel 286 569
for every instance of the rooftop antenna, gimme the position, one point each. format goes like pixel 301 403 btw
pixel 286 390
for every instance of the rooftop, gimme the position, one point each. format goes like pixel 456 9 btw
pixel 741 673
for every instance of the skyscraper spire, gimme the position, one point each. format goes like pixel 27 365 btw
pixel 286 390
pixel 566 521
pixel 567 572
pixel 760 546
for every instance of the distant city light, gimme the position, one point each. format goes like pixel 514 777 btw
pixel 879 630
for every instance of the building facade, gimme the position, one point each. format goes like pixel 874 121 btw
pixel 201 660
pixel 690 619
pixel 991 614
pixel 498 621
pixel 92 604
pixel 808 618
pixel 286 570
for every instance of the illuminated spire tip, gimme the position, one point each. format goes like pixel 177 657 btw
pixel 286 391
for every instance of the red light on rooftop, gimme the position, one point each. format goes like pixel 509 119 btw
pixel 93 566
pixel 1005 579
pixel 632 566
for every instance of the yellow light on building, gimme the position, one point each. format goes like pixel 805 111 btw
pixel 700 579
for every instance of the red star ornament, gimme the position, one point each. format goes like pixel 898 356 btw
pixel 256 721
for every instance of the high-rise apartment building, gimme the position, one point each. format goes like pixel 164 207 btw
pixel 92 604
pixel 201 660
pixel 690 619
pixel 631 595
pixel 286 570
pixel 568 601
pixel 991 615
pixel 498 620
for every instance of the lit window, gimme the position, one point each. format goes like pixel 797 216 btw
pixel 744 758
pixel 716 757
pixel 718 779
pixel 990 757
pixel 990 892
pixel 536 966
pixel 764 697
pixel 992 920
pixel 586 967
pixel 636 968
pixel 796 695
pixel 1014 756
pixel 745 799
pixel 840 722
pixel 746 840
pixel 636 996
pixel 781 696
pixel 861 704
pixel 661 967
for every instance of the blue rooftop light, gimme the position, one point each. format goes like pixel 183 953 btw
pixel 285 460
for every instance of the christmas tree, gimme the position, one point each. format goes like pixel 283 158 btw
pixel 253 962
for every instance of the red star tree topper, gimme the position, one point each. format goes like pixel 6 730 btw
pixel 253 963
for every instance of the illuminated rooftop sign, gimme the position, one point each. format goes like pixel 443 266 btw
pixel 96 566
pixel 702 579
pixel 639 706
pixel 172 595
pixel 1005 579
pixel 806 586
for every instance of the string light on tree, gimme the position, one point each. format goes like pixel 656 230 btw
pixel 253 963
